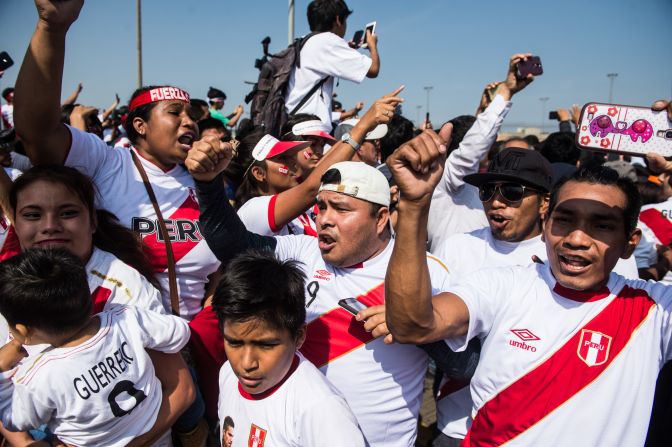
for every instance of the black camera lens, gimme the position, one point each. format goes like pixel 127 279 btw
pixel 668 134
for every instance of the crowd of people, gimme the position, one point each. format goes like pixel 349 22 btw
pixel 173 275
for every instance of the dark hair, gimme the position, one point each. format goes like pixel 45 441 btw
pixel 322 14
pixel 256 285
pixel 202 106
pixel 239 170
pixel 198 102
pixel 66 111
pixel 142 112
pixel 215 93
pixel 602 175
pixel 228 422
pixel 461 125
pixel 110 235
pixel 521 140
pixel 559 147
pixel 399 131
pixel 210 123
pixel 286 131
pixel 6 92
pixel 336 105
pixel 45 289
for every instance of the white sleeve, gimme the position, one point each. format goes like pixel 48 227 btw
pixel 646 254
pixel 295 246
pixel 20 162
pixel 475 145
pixel 627 268
pixel 165 333
pixel 91 156
pixel 330 55
pixel 439 274
pixel 330 423
pixel 258 215
pixel 20 409
pixel 483 291
pixel 150 298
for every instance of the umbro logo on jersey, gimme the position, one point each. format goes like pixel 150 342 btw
pixel 322 274
pixel 593 347
pixel 179 230
pixel 525 335
pixel 257 437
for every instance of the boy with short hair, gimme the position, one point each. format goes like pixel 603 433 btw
pixel 273 395
pixel 96 373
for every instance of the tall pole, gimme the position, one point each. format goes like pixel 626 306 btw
pixel 290 25
pixel 139 36
pixel 427 89
pixel 543 112
pixel 611 77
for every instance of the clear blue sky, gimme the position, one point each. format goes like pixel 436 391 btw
pixel 455 46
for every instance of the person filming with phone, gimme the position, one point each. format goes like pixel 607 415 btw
pixel 326 55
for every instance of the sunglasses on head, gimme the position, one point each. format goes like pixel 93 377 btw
pixel 511 192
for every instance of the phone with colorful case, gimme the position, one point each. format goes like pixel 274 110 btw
pixel 630 130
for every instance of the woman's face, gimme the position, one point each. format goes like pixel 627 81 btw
pixel 308 158
pixel 168 134
pixel 281 172
pixel 50 215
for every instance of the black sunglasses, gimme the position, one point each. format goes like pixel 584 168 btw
pixel 511 192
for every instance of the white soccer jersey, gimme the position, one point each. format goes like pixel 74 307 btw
pixel 381 383
pixel 258 215
pixel 123 193
pixel 304 409
pixel 467 253
pixel 102 392
pixel 655 221
pixel 560 366
pixel 115 283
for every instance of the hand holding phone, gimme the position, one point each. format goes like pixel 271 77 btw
pixel 352 305
pixel 357 38
pixel 529 66
pixel 5 61
pixel 369 29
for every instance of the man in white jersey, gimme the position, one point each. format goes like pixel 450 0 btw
pixel 559 340
pixel 382 383
pixel 272 394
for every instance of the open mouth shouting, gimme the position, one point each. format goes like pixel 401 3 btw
pixel 573 264
pixel 186 140
pixel 325 241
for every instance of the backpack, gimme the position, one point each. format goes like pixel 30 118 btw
pixel 268 94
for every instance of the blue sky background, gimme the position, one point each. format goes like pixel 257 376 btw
pixel 455 46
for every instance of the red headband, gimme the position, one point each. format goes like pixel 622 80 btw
pixel 159 94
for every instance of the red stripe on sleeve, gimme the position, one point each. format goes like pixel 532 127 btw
pixel 271 214
pixel 336 332
pixel 659 224
pixel 563 375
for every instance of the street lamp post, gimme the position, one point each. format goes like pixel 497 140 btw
pixel 428 89
pixel 290 24
pixel 139 40
pixel 611 77
pixel 543 111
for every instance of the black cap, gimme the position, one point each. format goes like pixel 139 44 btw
pixel 523 166
pixel 216 93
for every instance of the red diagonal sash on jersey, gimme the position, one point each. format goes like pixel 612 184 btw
pixel 99 298
pixel 337 332
pixel 659 224
pixel 561 376
pixel 189 211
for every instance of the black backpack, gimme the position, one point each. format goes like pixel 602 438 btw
pixel 268 94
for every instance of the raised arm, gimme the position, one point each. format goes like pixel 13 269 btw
pixel 294 201
pixel 235 116
pixel 412 314
pixel 219 224
pixel 38 87
pixel 372 45
pixel 352 112
pixel 73 97
pixel 111 109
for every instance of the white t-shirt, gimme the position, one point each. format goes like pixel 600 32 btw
pixel 467 253
pixel 323 55
pixel 8 241
pixel 381 383
pixel 655 221
pixel 258 215
pixel 115 283
pixel 304 409
pixel 7 111
pixel 563 366
pixel 20 162
pixel 123 193
pixel 456 207
pixel 102 392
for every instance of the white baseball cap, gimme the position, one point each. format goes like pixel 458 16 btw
pixel 269 147
pixel 379 132
pixel 313 127
pixel 358 180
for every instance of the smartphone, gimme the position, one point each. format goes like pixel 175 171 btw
pixel 5 61
pixel 553 115
pixel 617 128
pixel 369 27
pixel 352 305
pixel 531 66
pixel 357 38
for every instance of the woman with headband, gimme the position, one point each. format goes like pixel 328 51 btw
pixel 162 132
